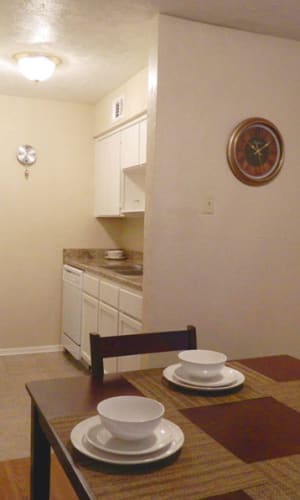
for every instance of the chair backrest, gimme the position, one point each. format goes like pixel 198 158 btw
pixel 124 345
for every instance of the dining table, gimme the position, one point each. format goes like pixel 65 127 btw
pixel 240 442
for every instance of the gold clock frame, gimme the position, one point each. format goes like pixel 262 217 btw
pixel 232 151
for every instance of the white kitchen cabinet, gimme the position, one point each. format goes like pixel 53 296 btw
pixel 107 176
pixel 108 320
pixel 130 146
pixel 90 284
pixel 89 324
pixel 109 293
pixel 131 303
pixel 97 317
pixel 107 326
pixel 129 326
pixel 134 144
pixel 133 192
pixel 108 316
pixel 130 322
pixel 89 311
pixel 133 160
pixel 109 309
pixel 120 160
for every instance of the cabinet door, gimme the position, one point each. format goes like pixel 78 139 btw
pixel 133 159
pixel 109 293
pixel 133 191
pixel 107 326
pixel 91 285
pixel 89 324
pixel 128 325
pixel 107 176
pixel 131 303
pixel 130 146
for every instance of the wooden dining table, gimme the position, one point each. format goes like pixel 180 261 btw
pixel 240 443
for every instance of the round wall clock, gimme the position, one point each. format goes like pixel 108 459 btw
pixel 255 151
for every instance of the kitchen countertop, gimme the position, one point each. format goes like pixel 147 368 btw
pixel 92 260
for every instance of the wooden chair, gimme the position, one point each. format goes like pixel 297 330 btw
pixel 125 345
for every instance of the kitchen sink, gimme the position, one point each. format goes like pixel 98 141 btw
pixel 128 270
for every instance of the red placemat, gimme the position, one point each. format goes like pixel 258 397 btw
pixel 257 429
pixel 281 368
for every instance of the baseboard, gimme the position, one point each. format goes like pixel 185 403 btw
pixel 11 351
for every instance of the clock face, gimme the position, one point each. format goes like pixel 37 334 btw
pixel 255 151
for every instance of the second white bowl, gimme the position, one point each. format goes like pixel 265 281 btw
pixel 200 363
pixel 130 417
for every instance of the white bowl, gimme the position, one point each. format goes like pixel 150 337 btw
pixel 130 417
pixel 200 363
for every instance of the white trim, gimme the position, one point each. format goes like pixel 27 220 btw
pixel 30 350
pixel 117 128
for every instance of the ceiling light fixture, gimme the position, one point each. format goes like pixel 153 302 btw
pixel 35 66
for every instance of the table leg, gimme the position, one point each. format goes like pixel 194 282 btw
pixel 40 459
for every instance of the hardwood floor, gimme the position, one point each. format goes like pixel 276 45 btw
pixel 15 475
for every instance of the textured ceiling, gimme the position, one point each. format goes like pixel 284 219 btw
pixel 104 42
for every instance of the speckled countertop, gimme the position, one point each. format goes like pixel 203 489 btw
pixel 92 260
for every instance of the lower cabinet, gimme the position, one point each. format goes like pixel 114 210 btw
pixel 107 326
pixel 89 324
pixel 128 325
pixel 109 309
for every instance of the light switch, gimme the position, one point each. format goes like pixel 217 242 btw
pixel 208 205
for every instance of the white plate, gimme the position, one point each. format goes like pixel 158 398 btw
pixel 101 438
pixel 79 441
pixel 169 374
pixel 227 376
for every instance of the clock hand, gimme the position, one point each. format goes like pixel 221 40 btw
pixel 256 150
pixel 259 150
pixel 252 146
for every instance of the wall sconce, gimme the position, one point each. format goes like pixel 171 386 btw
pixel 36 67
pixel 26 155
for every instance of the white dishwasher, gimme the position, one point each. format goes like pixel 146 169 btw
pixel 71 323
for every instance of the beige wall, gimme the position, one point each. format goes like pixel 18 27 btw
pixel 132 234
pixel 43 214
pixel 234 274
pixel 135 92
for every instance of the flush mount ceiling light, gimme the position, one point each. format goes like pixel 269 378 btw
pixel 35 66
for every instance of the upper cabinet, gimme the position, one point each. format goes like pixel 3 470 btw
pixel 120 160
pixel 133 163
pixel 107 176
pixel 134 145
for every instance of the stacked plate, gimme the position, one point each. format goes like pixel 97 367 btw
pixel 92 439
pixel 203 370
pixel 228 379
pixel 116 254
